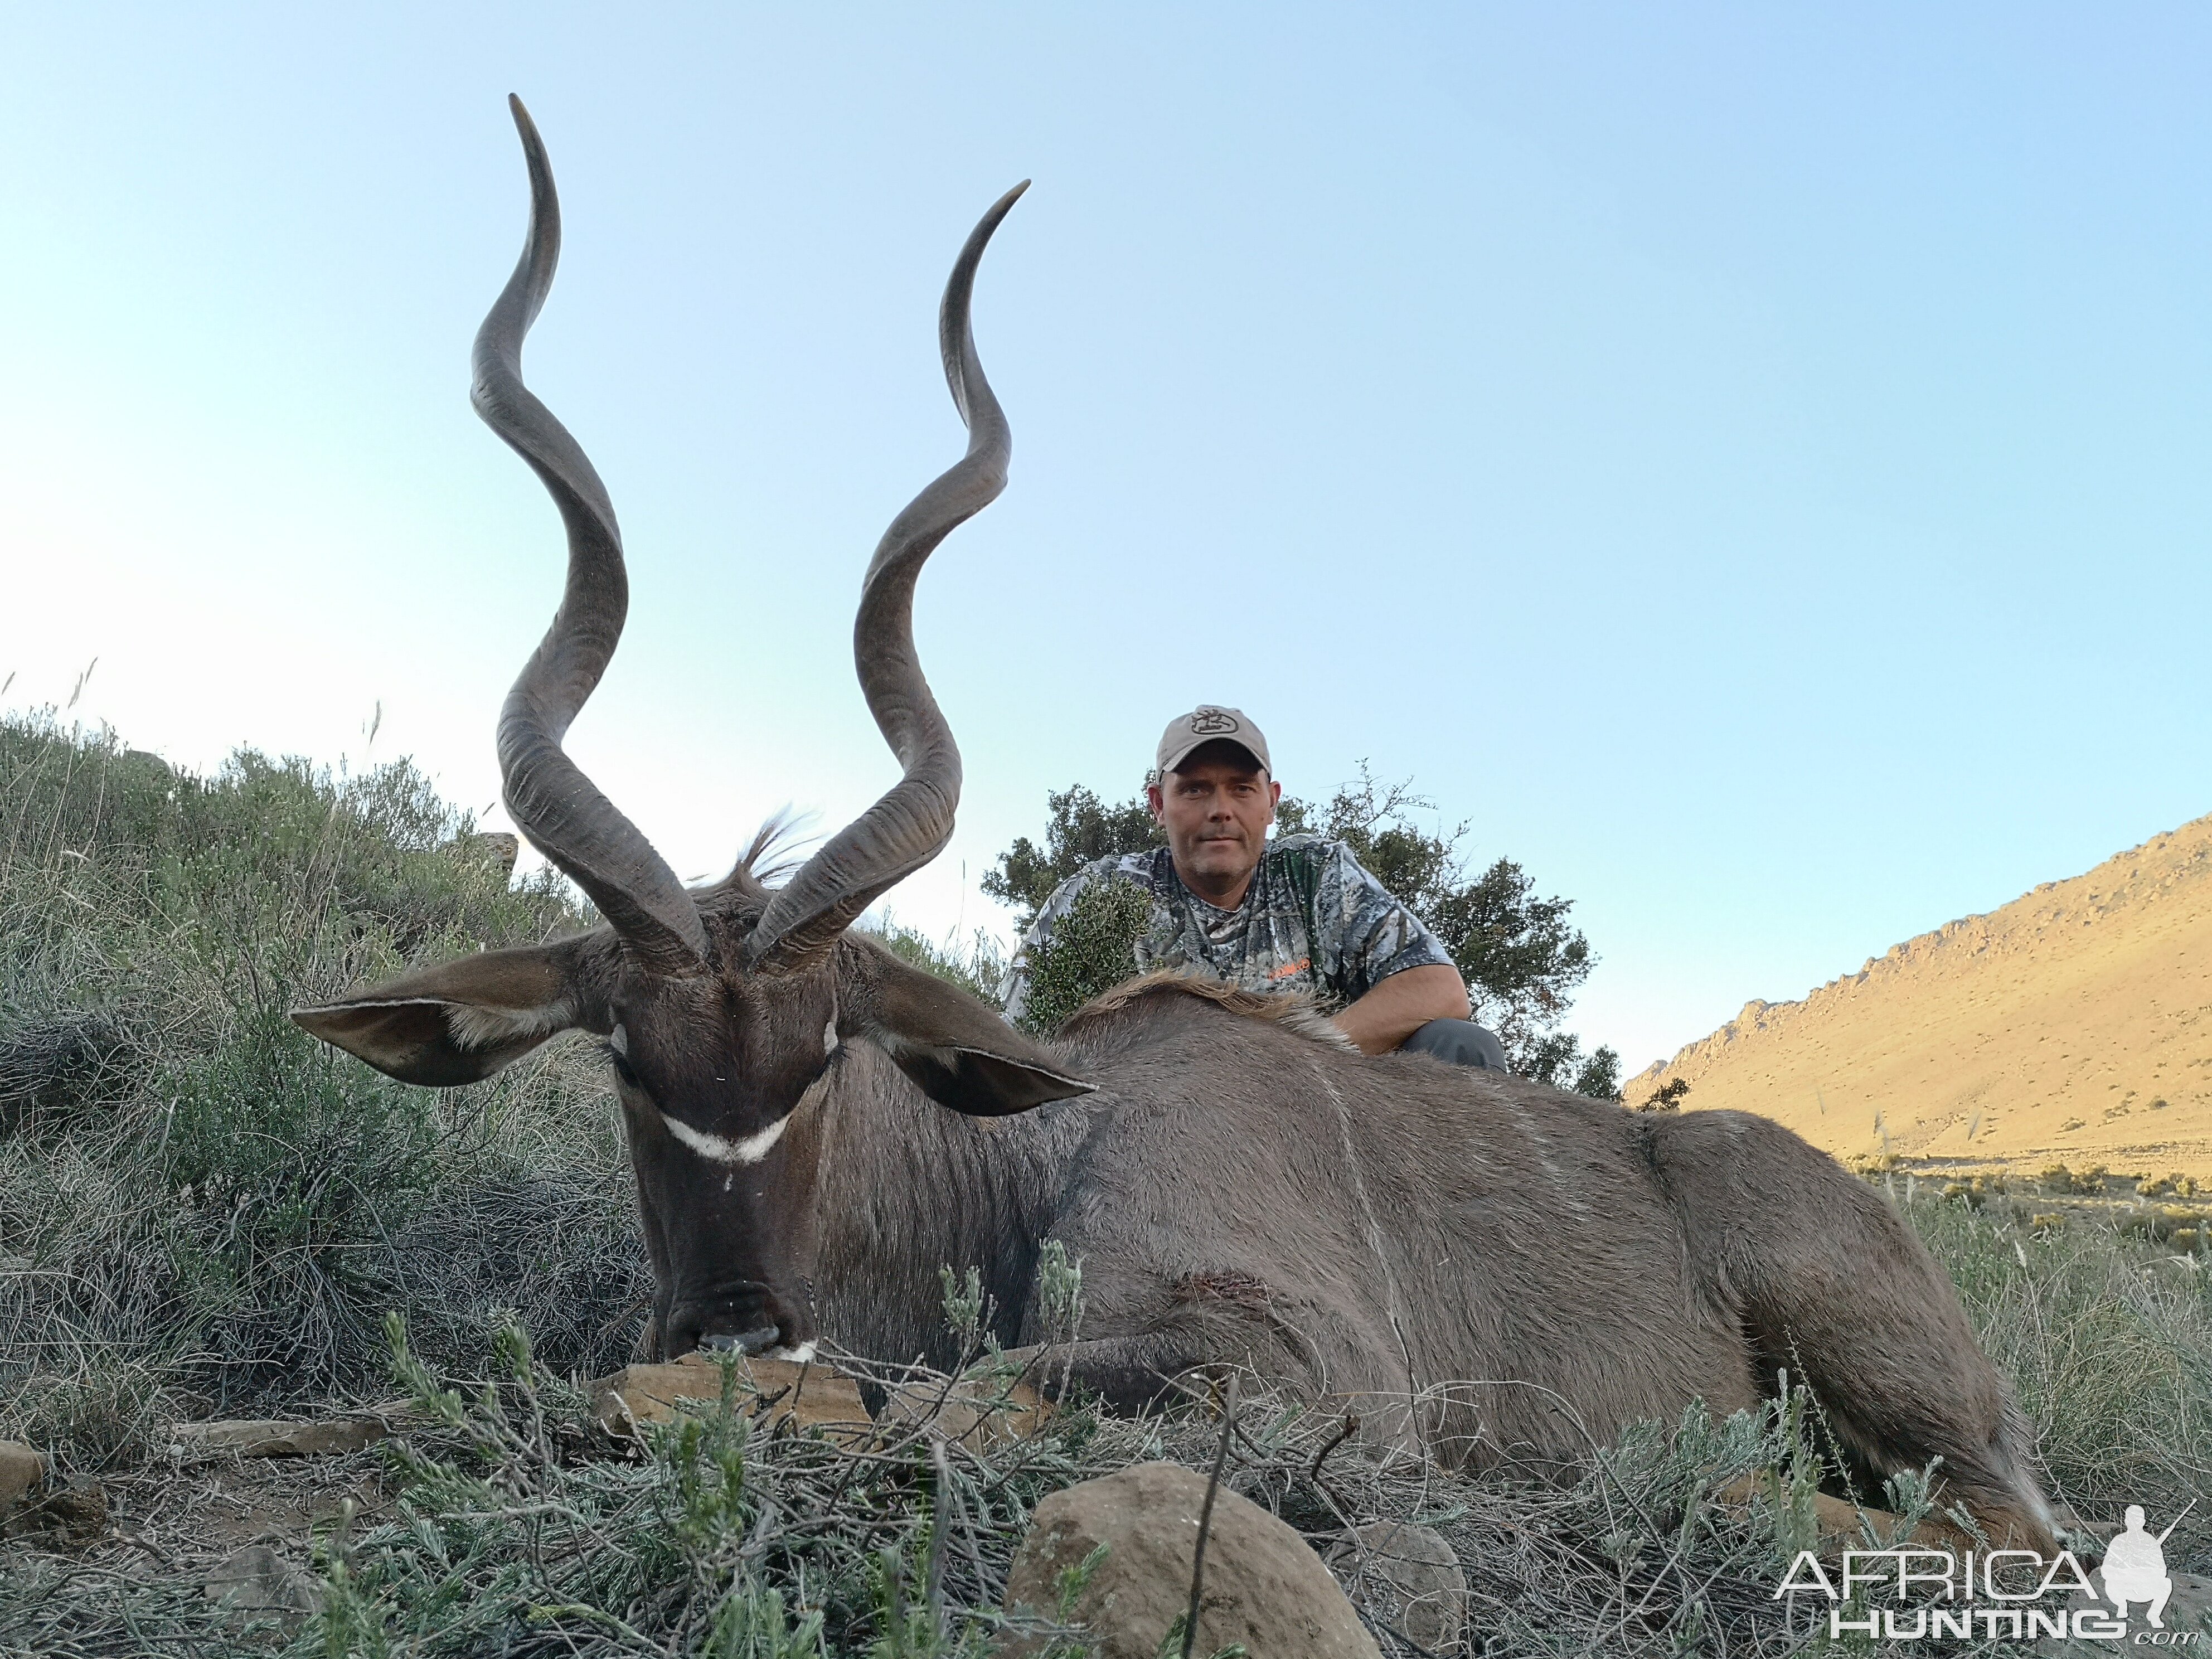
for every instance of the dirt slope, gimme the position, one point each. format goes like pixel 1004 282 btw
pixel 2074 1025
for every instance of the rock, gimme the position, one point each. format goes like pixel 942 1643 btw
pixel 257 1579
pixel 79 1509
pixel 22 1473
pixel 1264 1587
pixel 2191 1607
pixel 803 1396
pixel 1406 1577
pixel 200 1442
pixel 977 1414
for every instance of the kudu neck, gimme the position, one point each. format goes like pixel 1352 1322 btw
pixel 904 1187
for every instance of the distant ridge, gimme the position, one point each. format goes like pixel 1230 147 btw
pixel 2073 1025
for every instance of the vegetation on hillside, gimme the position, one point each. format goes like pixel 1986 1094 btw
pixel 202 1213
pixel 205 1209
pixel 1522 960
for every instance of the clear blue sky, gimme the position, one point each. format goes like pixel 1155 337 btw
pixel 1750 462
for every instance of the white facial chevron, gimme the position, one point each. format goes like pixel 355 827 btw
pixel 751 1150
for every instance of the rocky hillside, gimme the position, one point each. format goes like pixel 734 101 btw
pixel 2074 1025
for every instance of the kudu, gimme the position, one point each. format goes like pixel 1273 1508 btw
pixel 1521 1270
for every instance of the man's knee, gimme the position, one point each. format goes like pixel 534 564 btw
pixel 1460 1042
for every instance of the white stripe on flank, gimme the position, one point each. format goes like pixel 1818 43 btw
pixel 751 1150
pixel 1394 1302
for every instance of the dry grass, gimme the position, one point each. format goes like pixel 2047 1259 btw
pixel 206 1211
pixel 201 1213
pixel 514 1526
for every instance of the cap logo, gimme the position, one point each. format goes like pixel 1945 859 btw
pixel 1213 723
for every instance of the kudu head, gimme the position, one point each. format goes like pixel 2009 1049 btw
pixel 725 1009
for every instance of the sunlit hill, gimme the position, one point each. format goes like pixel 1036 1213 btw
pixel 2072 1025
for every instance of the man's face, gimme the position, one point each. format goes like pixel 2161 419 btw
pixel 1216 814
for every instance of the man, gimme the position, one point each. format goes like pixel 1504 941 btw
pixel 1298 913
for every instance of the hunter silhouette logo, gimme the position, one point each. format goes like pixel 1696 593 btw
pixel 2012 1593
pixel 2135 1567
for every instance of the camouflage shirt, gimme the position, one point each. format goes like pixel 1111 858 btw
pixel 1313 921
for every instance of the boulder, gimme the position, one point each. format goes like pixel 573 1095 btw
pixel 201 1442
pixel 22 1473
pixel 803 1396
pixel 1407 1578
pixel 1264 1587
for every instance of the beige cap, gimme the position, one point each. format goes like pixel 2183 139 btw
pixel 1204 724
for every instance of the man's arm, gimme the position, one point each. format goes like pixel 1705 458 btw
pixel 1400 1006
pixel 1368 936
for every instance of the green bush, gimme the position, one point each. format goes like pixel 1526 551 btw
pixel 201 1203
pixel 2109 1359
pixel 203 1210
pixel 976 968
pixel 1092 950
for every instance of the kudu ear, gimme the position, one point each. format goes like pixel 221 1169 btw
pixel 960 1053
pixel 463 1020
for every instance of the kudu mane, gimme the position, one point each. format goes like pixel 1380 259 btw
pixel 1293 1011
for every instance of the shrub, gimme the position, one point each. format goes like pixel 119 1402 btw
pixel 2108 1361
pixel 1092 950
pixel 208 1202
pixel 221 1215
pixel 977 968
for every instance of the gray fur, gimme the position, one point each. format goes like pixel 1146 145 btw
pixel 1535 1269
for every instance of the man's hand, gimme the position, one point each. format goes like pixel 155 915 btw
pixel 1401 1005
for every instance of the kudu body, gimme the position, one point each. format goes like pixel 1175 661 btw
pixel 1522 1271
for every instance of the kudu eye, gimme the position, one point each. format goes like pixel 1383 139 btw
pixel 618 1052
